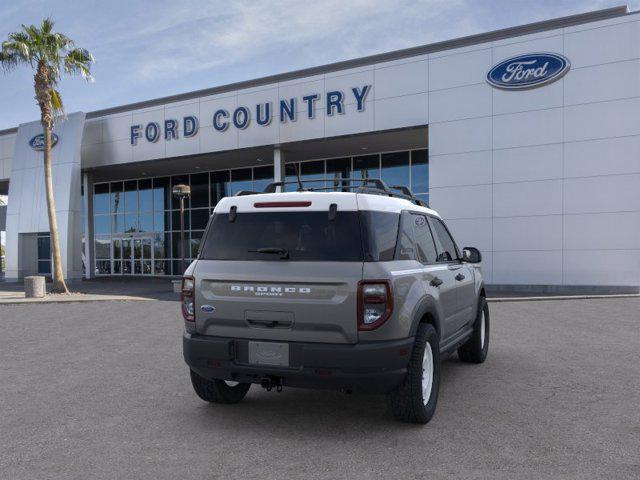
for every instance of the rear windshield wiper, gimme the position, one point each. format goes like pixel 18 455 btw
pixel 283 252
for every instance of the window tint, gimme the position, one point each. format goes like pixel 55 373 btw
pixel 424 240
pixel 307 236
pixel 380 231
pixel 447 249
pixel 406 238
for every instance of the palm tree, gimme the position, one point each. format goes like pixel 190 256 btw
pixel 49 54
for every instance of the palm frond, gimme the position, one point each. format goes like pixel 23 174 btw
pixel 50 53
pixel 56 101
pixel 78 61
pixel 47 25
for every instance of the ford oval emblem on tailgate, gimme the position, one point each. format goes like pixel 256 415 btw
pixel 207 308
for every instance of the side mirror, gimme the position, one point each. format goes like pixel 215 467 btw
pixel 471 255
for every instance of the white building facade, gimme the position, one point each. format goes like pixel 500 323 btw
pixel 526 140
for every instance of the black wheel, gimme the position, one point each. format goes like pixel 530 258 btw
pixel 218 391
pixel 416 398
pixel 475 350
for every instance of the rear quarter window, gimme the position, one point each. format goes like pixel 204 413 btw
pixel 380 232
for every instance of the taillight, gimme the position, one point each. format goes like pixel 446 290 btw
pixel 375 303
pixel 187 298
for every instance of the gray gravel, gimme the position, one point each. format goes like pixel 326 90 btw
pixel 100 391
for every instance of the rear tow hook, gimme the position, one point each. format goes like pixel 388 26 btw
pixel 268 383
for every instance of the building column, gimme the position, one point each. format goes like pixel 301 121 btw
pixel 87 205
pixel 279 174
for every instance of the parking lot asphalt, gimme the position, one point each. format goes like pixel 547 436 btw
pixel 100 391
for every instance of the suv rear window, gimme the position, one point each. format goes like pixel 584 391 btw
pixel 304 236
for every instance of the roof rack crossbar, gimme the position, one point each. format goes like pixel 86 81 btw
pixel 407 191
pixel 271 188
pixel 363 185
pixel 242 193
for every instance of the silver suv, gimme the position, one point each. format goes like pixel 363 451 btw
pixel 362 289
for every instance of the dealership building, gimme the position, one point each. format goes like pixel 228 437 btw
pixel 526 140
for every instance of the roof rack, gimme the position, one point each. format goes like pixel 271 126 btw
pixel 242 193
pixel 372 186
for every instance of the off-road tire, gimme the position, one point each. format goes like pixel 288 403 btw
pixel 217 391
pixel 475 350
pixel 406 401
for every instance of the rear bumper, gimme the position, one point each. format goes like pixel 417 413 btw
pixel 375 367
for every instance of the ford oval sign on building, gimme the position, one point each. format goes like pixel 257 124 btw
pixel 528 71
pixel 37 142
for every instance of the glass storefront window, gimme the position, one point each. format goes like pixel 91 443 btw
pixel 395 168
pixel 220 186
pixel 117 248
pixel 44 253
pixel 117 198
pixel 126 248
pixel 117 223
pixel 200 190
pixel 160 240
pixel 337 169
pixel 145 195
pixel 103 247
pixel 145 222
pixel 103 267
pixel 175 245
pixel 291 175
pixel 131 223
pixel 199 219
pixel 143 212
pixel 177 267
pixel 241 180
pixel 262 176
pixel 102 224
pixel 367 166
pixel 161 221
pixel 161 194
pixel 131 196
pixel 196 237
pixel 175 220
pixel 313 171
pixel 420 171
pixel 160 267
pixel 101 198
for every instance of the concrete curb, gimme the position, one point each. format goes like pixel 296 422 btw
pixel 72 299
pixel 560 297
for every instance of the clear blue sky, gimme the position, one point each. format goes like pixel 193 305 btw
pixel 149 49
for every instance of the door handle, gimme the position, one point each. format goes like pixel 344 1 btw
pixel 436 282
pixel 459 277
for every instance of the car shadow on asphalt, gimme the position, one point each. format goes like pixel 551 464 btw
pixel 297 411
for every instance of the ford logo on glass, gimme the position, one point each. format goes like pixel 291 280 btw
pixel 37 142
pixel 528 71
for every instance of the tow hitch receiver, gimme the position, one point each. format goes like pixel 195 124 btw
pixel 271 382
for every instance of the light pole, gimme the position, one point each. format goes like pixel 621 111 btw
pixel 181 192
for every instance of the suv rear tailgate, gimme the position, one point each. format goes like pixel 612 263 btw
pixel 278 300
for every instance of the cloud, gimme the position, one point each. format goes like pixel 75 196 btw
pixel 152 48
pixel 200 35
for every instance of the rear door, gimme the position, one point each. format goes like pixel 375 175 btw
pixel 463 275
pixel 280 273
pixel 437 277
